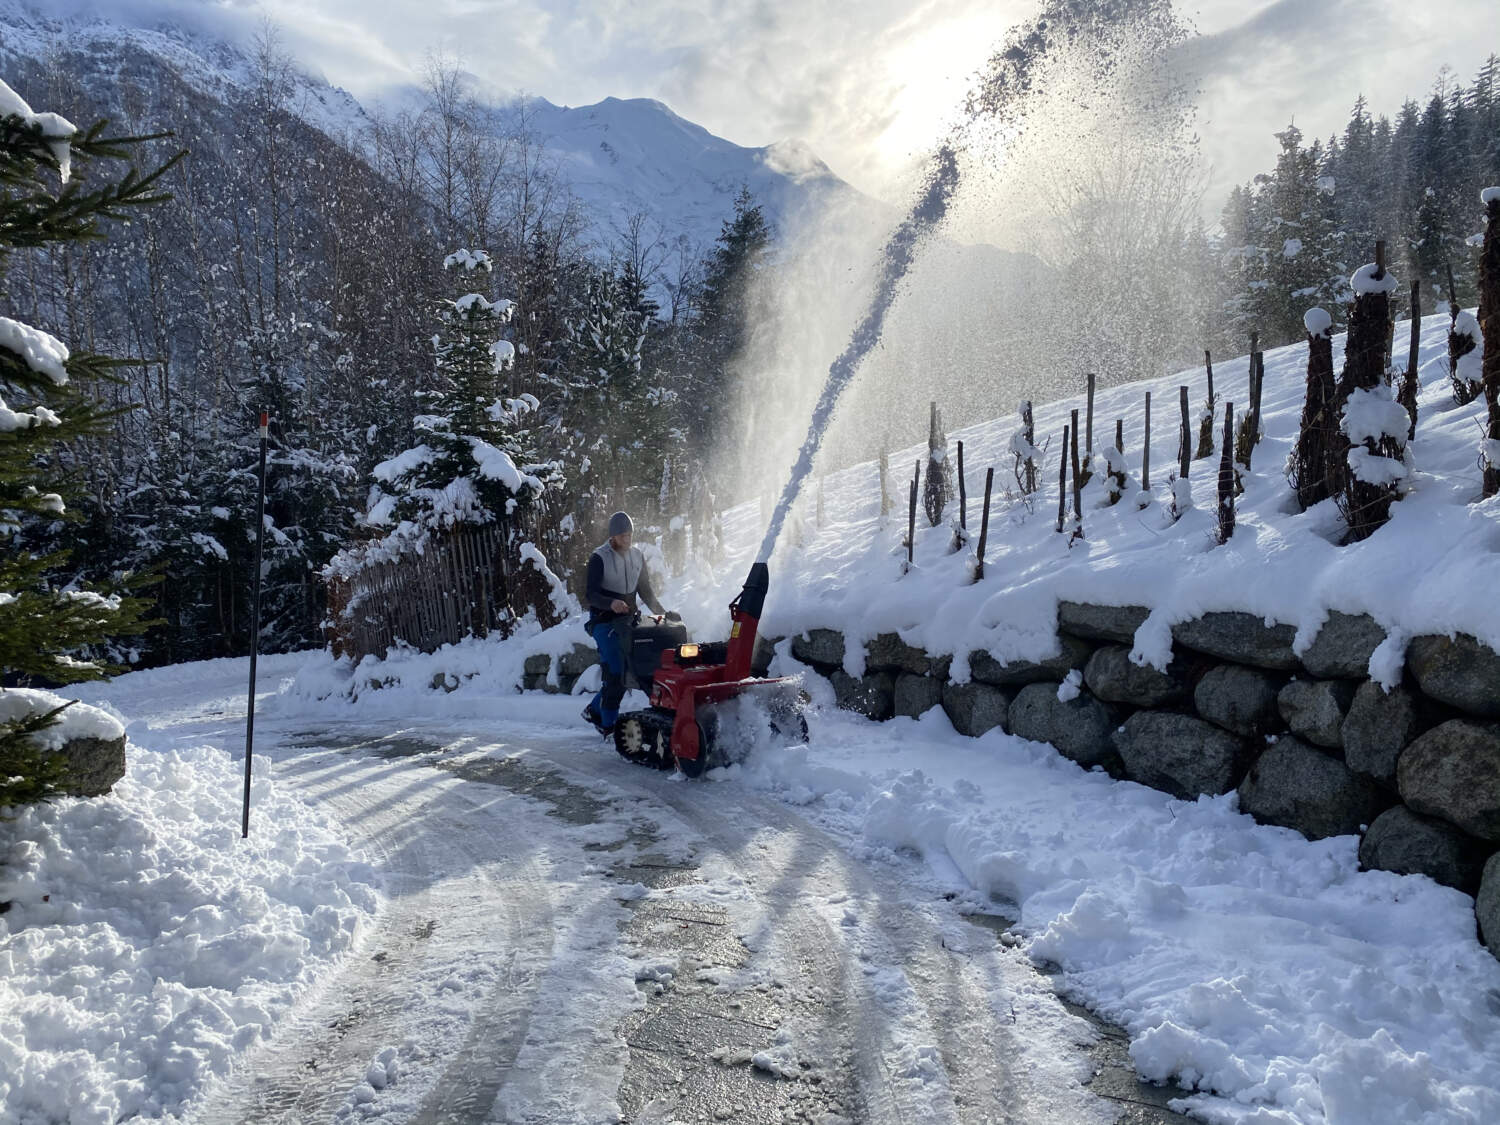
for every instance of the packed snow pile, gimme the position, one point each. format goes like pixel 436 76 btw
pixel 78 720
pixel 146 945
pixel 1268 972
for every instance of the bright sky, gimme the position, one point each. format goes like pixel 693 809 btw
pixel 867 84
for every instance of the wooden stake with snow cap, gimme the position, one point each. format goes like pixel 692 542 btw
pixel 1314 469
pixel 1489 323
pixel 1373 424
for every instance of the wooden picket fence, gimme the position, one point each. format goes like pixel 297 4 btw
pixel 455 587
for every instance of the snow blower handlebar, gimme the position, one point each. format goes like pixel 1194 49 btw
pixel 745 612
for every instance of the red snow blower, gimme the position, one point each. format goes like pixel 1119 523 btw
pixel 690 685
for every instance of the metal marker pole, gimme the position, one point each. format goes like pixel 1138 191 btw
pixel 260 535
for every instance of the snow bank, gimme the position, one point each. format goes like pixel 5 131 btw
pixel 1265 971
pixel 147 945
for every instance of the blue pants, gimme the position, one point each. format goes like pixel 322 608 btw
pixel 612 664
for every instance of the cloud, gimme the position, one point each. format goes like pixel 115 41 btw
pixel 1309 60
pixel 868 86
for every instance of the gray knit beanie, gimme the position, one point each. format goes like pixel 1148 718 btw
pixel 619 524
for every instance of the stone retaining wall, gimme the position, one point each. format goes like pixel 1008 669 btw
pixel 1309 742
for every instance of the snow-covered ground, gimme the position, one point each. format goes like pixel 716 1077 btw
pixel 147 945
pixel 1265 971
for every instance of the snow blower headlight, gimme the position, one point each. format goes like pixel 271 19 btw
pixel 687 652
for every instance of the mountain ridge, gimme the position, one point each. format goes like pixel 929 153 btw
pixel 620 156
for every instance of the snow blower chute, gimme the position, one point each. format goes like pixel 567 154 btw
pixel 687 687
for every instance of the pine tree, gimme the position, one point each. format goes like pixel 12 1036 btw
pixel 723 315
pixel 474 461
pixel 47 627
pixel 627 415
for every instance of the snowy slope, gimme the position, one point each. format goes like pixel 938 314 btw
pixel 1419 574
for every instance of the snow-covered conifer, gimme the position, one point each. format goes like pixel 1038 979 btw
pixel 467 465
pixel 48 626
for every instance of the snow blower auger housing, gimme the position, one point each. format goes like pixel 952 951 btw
pixel 681 727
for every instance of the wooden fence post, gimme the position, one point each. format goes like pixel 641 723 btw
pixel 984 524
pixel 963 492
pixel 1028 429
pixel 1206 428
pixel 1226 477
pixel 1260 382
pixel 1062 482
pixel 1408 395
pixel 1077 484
pixel 1146 449
pixel 1088 446
pixel 1185 437
pixel 911 515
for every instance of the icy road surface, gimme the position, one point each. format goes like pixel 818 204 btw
pixel 566 937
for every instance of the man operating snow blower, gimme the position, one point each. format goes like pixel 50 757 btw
pixel 616 576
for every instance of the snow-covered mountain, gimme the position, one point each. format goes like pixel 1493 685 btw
pixel 114 48
pixel 620 157
pixel 628 156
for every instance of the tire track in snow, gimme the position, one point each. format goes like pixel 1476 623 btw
pixel 912 1014
pixel 463 885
